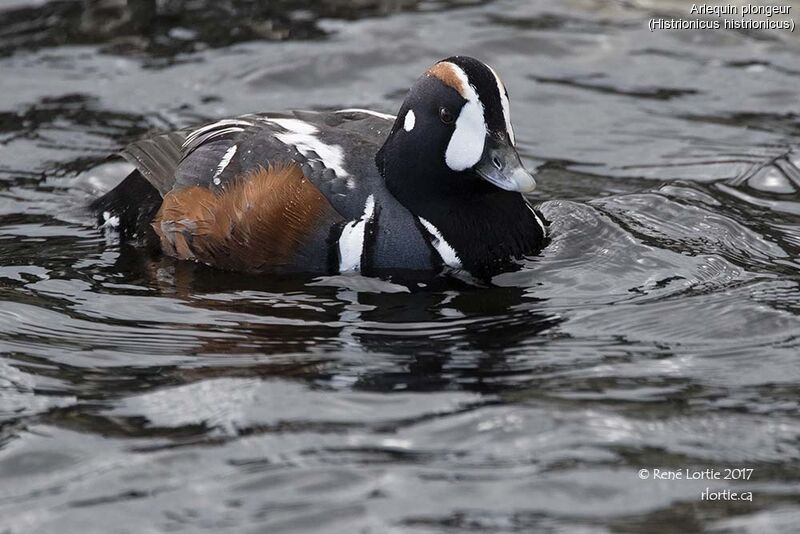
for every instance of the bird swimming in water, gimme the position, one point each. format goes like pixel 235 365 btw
pixel 436 188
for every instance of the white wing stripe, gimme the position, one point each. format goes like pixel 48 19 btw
pixel 295 126
pixel 226 159
pixel 224 126
pixel 368 112
pixel 301 135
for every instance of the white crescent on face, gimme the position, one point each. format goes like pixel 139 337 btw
pixel 471 128
pixel 466 144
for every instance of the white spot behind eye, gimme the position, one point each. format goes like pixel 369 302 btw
pixel 408 124
pixel 466 144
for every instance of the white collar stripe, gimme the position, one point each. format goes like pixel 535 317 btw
pixel 538 220
pixel 446 252
pixel 351 240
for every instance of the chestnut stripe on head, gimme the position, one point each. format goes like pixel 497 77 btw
pixel 466 144
pixel 447 73
pixel 485 112
pixel 488 87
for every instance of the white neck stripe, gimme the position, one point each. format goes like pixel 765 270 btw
pixel 538 220
pixel 446 252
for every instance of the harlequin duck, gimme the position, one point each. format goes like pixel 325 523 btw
pixel 438 187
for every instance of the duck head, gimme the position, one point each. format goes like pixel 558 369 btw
pixel 453 135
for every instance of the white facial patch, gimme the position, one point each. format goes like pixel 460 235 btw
pixel 226 159
pixel 351 241
pixel 466 144
pixel 446 252
pixel 408 123
pixel 506 107
pixel 302 136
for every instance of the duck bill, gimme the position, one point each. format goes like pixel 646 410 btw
pixel 500 166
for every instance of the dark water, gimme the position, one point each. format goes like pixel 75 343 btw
pixel 659 330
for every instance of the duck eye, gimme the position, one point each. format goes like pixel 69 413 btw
pixel 446 116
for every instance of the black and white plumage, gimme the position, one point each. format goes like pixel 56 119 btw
pixel 438 186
